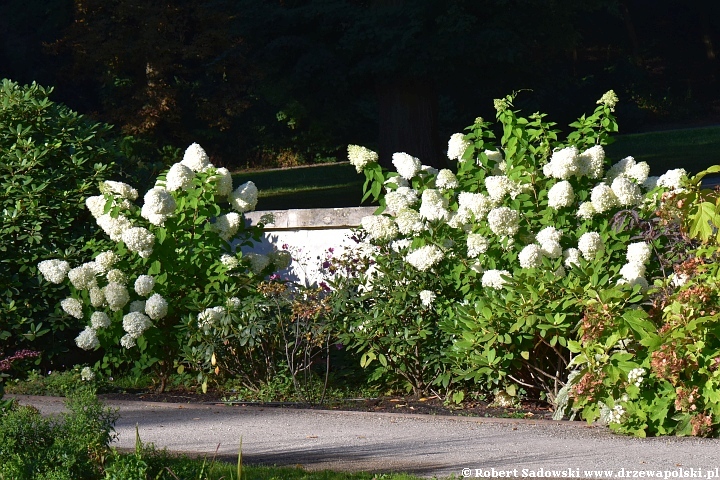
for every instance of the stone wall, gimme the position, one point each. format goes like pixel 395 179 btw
pixel 308 234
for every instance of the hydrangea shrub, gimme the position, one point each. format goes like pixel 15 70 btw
pixel 516 241
pixel 173 269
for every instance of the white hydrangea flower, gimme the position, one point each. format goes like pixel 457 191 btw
pixel 158 205
pixel 156 307
pixel 616 414
pixel 563 164
pixel 406 165
pixel 137 306
pixel 639 172
pixel 427 298
pixel 86 374
pixel 223 182
pixel 495 156
pixel 679 279
pixel 571 257
pixel 179 177
pixel 503 221
pixel 96 205
pixel 476 244
pixel 99 320
pixel 635 376
pixel 434 205
pixel 54 271
pixel 591 161
pixel 446 180
pixel 120 189
pixel 244 198
pixel 139 239
pixel 561 195
pixel 281 259
pixel 548 234
pixel 144 285
pixel 409 221
pixel 457 146
pixel 638 252
pixel 673 179
pixel 551 249
pixel 83 277
pixel 642 281
pixel 460 218
pixel 494 278
pixel 97 297
pixel 227 225
pixel 127 341
pixel 477 203
pixel 195 158
pixel 396 180
pixel 380 228
pixel 73 307
pixel 609 99
pixel 114 227
pixel 116 296
pixel 603 198
pixel 590 244
pixel 498 186
pixel 230 261
pixel 530 256
pixel 621 168
pixel 400 198
pixel 135 323
pixel 258 262
pixel 104 261
pixel 87 340
pixel 210 317
pixel 632 271
pixel 360 157
pixel 627 192
pixel 586 211
pixel 117 276
pixel 234 303
pixel 425 257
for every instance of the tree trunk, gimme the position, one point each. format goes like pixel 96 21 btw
pixel 409 122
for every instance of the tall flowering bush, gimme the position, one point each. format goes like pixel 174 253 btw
pixel 655 371
pixel 514 242
pixel 173 269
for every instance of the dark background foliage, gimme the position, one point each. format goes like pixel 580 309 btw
pixel 282 82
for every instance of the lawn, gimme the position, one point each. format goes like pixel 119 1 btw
pixel 338 185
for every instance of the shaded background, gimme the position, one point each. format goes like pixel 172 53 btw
pixel 288 82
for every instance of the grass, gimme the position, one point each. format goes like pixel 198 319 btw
pixel 339 185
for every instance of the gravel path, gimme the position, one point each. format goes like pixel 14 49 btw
pixel 421 444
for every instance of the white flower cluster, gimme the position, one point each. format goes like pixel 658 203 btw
pixel 140 240
pixel 406 165
pixel 86 374
pixel 561 195
pixel 434 205
pixel 609 99
pixel 54 271
pixel 99 320
pixel 135 324
pixel 116 275
pixel 446 180
pixel 380 228
pixel 494 279
pixel 571 257
pixel 230 261
pixel 476 244
pixel 227 225
pixel 137 306
pixel 210 317
pixel 425 257
pixel 402 197
pixel 616 414
pixel 409 221
pixel 569 162
pixel 503 221
pixel 83 277
pixel 144 285
pixel 457 146
pixel 87 340
pixel 476 203
pixel 499 185
pixel 116 296
pixel 114 227
pixel 223 182
pixel 635 376
pixel 158 206
pixel 633 272
pixel 73 307
pixel 244 198
pixel 97 297
pixel 120 189
pixel 549 240
pixel 104 261
pixel 673 179
pixel 156 307
pixel 179 177
pixel 360 157
pixel 427 298
pixel 195 158
pixel 589 244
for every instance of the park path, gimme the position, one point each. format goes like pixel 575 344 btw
pixel 421 444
